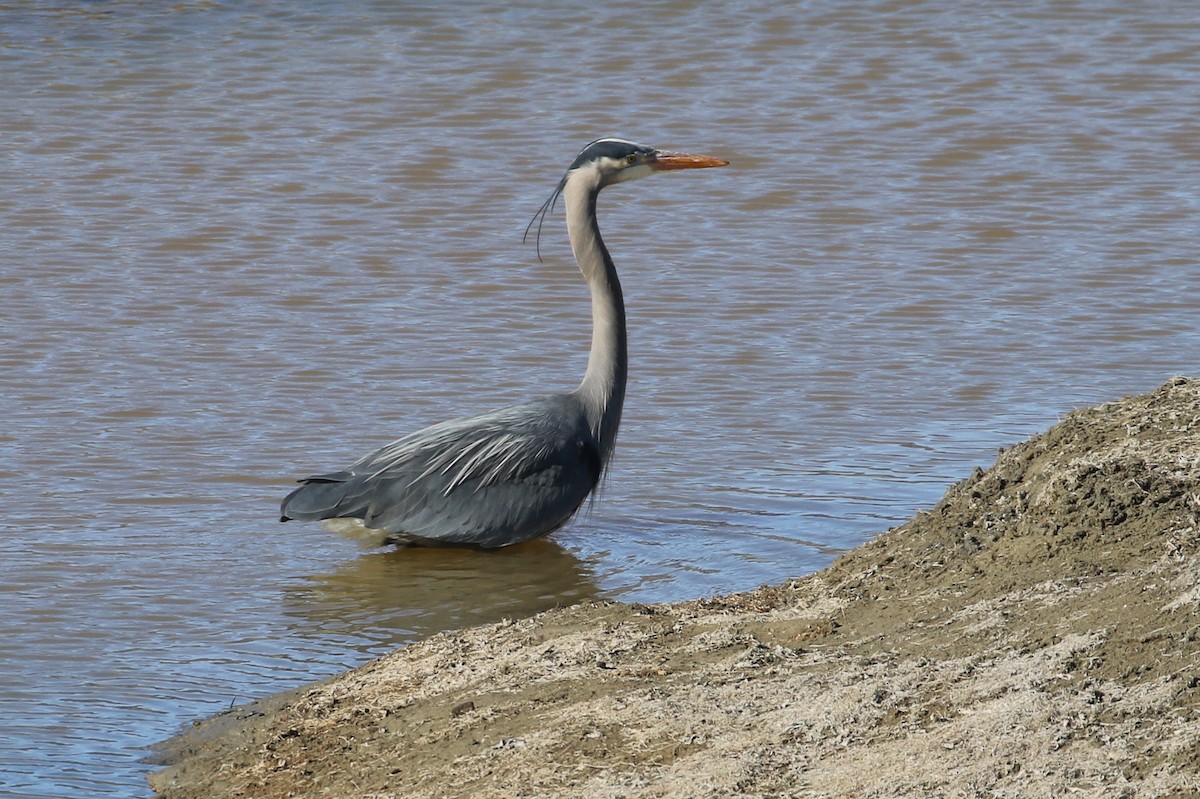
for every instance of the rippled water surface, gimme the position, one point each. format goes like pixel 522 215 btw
pixel 246 242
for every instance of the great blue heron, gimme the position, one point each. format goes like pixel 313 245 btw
pixel 520 472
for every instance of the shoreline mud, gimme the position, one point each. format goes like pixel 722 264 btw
pixel 1036 633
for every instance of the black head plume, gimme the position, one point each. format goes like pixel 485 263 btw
pixel 540 217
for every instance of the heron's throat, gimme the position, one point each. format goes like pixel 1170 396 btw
pixel 602 391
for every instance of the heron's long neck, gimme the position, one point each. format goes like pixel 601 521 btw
pixel 603 388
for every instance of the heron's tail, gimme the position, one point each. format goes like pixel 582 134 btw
pixel 340 495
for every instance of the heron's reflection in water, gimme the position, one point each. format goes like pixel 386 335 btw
pixel 382 600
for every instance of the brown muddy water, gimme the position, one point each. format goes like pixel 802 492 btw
pixel 245 242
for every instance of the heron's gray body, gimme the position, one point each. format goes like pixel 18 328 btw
pixel 521 472
pixel 488 481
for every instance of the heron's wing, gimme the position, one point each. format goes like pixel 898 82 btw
pixel 483 451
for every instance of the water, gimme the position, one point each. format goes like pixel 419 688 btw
pixel 245 243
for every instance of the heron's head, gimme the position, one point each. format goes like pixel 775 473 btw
pixel 618 161
pixel 604 162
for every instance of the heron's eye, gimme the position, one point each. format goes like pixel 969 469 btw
pixel 631 158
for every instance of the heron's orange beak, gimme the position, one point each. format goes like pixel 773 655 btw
pixel 666 160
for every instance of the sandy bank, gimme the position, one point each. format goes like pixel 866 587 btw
pixel 1035 634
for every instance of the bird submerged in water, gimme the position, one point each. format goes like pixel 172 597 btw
pixel 521 472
